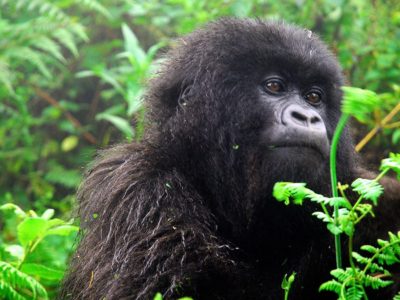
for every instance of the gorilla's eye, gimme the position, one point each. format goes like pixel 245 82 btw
pixel 313 97
pixel 274 86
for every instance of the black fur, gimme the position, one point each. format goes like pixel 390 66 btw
pixel 189 209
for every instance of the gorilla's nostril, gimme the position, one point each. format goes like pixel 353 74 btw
pixel 298 116
pixel 315 120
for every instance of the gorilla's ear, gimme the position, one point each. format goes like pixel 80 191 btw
pixel 184 96
pixel 175 92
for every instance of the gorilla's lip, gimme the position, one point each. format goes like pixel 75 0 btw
pixel 280 136
pixel 313 147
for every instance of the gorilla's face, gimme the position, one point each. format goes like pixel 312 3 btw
pixel 266 96
pixel 298 124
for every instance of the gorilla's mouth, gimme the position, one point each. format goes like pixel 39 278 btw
pixel 279 137
pixel 301 146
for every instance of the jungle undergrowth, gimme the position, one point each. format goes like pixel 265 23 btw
pixel 369 268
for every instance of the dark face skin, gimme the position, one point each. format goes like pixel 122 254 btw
pixel 298 124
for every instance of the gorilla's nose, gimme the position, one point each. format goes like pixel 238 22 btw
pixel 299 117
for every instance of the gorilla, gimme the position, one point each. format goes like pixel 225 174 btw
pixel 188 211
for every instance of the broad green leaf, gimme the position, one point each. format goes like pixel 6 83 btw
pixel 62 230
pixel 48 214
pixel 335 230
pixel 132 44
pixel 56 222
pixel 30 229
pixel 158 296
pixel 287 281
pixel 15 208
pixel 69 143
pixel 359 103
pixel 118 122
pixel 41 271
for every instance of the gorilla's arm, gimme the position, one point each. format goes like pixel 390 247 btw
pixel 143 233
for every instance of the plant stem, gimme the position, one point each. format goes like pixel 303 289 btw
pixel 335 141
pixel 377 253
pixel 376 129
pixel 286 294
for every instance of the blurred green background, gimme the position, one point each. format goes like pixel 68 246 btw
pixel 72 74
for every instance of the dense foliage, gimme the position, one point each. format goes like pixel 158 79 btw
pixel 72 74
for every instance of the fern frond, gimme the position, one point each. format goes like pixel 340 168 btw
pixel 368 189
pixel 5 76
pixel 354 292
pixel 32 56
pixel 331 286
pixel 376 282
pixel 341 274
pixel 17 280
pixel 7 291
pixel 96 6
pixel 49 46
pixel 43 7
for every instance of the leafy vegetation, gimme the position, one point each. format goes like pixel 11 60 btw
pixel 364 271
pixel 72 74
pixel 28 264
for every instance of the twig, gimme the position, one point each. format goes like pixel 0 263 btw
pixel 377 128
pixel 75 122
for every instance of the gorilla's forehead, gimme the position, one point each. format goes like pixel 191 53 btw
pixel 237 45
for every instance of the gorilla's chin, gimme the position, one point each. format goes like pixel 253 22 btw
pixel 308 152
pixel 297 164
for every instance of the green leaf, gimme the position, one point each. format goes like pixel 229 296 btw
pixel 392 163
pixel 48 45
pixel 341 274
pixel 62 230
pixel 68 178
pixel 48 214
pixel 66 38
pixel 335 230
pixel 359 103
pixel 332 286
pixel 158 296
pixel 368 189
pixel 7 291
pixel 132 44
pixel 396 137
pixel 14 208
pixel 369 248
pixel 339 201
pixel 118 122
pixel 31 56
pixel 322 216
pixel 55 222
pixel 41 271
pixel 69 143
pixel 241 8
pixel 376 282
pixel 15 250
pixel 354 291
pixel 12 279
pixel 287 282
pixel 30 229
pixel 284 191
